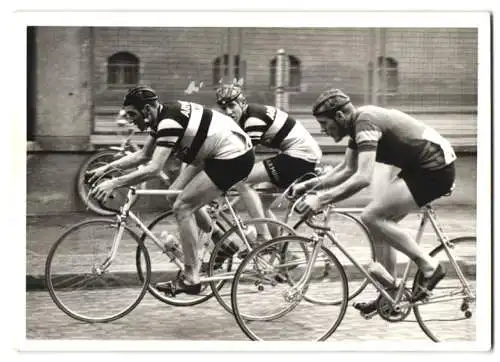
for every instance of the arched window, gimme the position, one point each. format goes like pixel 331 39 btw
pixel 391 82
pixel 220 69
pixel 294 72
pixel 123 69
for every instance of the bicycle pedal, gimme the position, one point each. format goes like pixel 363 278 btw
pixel 422 295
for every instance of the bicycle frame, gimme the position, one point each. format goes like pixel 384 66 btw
pixel 125 213
pixel 428 214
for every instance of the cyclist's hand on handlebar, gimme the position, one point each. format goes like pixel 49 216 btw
pixel 104 190
pixel 296 190
pixel 94 175
pixel 308 203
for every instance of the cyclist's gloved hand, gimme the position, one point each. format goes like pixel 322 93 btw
pixel 309 203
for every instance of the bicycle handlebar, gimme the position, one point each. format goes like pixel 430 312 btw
pixel 105 176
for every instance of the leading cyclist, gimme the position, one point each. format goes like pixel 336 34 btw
pixel 208 141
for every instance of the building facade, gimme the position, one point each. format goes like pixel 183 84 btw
pixel 77 77
pixel 79 74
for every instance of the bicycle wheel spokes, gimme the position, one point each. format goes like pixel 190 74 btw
pixel 163 269
pixel 231 249
pixel 355 236
pixel 271 297
pixel 80 282
pixel 449 314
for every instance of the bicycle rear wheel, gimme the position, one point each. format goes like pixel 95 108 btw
pixel 268 306
pixel 82 286
pixel 449 312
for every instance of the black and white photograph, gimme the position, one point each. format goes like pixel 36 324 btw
pixel 317 180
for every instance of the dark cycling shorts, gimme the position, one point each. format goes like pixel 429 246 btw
pixel 426 185
pixel 226 173
pixel 283 169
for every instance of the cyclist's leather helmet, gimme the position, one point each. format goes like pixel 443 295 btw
pixel 330 101
pixel 227 93
pixel 139 96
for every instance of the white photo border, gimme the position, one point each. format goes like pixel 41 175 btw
pixel 479 20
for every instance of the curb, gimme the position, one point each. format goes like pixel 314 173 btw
pixel 129 278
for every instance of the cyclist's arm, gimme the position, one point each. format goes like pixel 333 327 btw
pixel 338 174
pixel 151 169
pixel 358 181
pixel 134 159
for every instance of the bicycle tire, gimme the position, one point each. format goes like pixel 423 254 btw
pixel 444 284
pixel 356 286
pixel 49 268
pixel 241 319
pixel 97 159
pixel 171 300
pixel 234 231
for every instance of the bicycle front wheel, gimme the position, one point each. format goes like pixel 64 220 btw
pixel 82 281
pixel 231 249
pixel 270 288
pixel 357 238
pixel 449 313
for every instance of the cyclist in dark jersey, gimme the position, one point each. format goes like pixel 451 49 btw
pixel 208 141
pixel 392 137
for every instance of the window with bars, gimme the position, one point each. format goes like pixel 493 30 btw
pixel 294 73
pixel 123 70
pixel 220 69
pixel 391 81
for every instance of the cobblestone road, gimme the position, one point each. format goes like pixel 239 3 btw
pixel 209 321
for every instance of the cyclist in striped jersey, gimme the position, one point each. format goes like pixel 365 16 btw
pixel 299 153
pixel 206 140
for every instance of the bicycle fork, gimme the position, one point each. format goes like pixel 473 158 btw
pixel 295 293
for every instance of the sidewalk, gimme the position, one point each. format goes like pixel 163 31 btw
pixel 43 231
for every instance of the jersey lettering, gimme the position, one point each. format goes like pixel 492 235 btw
pixel 271 112
pixel 185 108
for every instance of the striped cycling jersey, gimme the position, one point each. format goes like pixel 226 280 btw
pixel 196 133
pixel 399 139
pixel 274 128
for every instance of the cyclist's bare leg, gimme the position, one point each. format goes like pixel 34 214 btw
pixel 251 198
pixel 384 253
pixel 205 223
pixel 386 256
pixel 198 192
pixel 273 229
pixel 379 215
pixel 203 219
